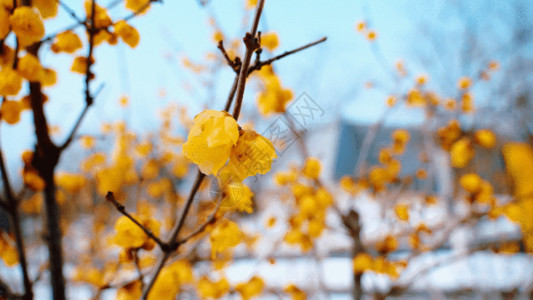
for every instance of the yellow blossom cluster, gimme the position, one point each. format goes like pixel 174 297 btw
pixel 311 201
pixel 273 98
pixel 364 262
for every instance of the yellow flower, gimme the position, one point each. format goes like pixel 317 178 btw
pixel 485 138
pixel 295 292
pixel 101 18
pixel 400 138
pixel 236 194
pixel 48 77
pixel 137 6
pixel 210 140
pixel 27 25
pixel 312 168
pixel 4 22
pixel 30 68
pixel 166 287
pixel 127 33
pixel 47 8
pixel 67 42
pixel 250 289
pixel 10 111
pixel 72 183
pixel 270 41
pixel 360 26
pixel 130 291
pixel 273 98
pixel 371 35
pixel 253 154
pixel 225 235
pixel 79 65
pixel 212 289
pixel 402 211
pixel 464 83
pixel 10 82
pixel 8 252
pixel 362 262
pixel 461 153
pixel 32 179
pixel 129 235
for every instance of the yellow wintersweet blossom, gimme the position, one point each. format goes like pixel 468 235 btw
pixel 269 41
pixel 312 168
pixel 212 289
pixel 464 82
pixel 127 33
pixel 32 179
pixel 33 204
pixel 79 65
pixel 10 111
pixel 27 25
pixel 225 235
pixel 72 183
pixel 387 245
pixel 167 285
pixel 101 18
pixel 461 153
pixel 253 154
pixel 130 291
pixel 273 98
pixel 295 292
pixel 29 67
pixel 471 182
pixel 360 26
pixel 236 195
pixel 8 252
pixel 402 211
pixel 129 235
pixel 66 41
pixel 415 98
pixel 4 22
pixel 371 35
pixel 250 289
pixel 48 77
pixel 137 6
pixel 400 138
pixel 362 262
pixel 467 103
pixel 10 82
pixel 210 140
pixel 485 138
pixel 47 8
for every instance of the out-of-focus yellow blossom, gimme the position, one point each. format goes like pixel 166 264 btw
pixel 10 111
pixel 225 235
pixel 253 154
pixel 127 33
pixel 130 291
pixel 485 138
pixel 387 245
pixel 79 65
pixel 391 100
pixel 400 138
pixel 464 82
pixel 415 98
pixel 4 22
pixel 8 252
pixel 250 289
pixel 450 104
pixel 27 25
pixel 210 140
pixel 360 26
pixel 129 235
pixel 48 77
pixel 167 285
pixel 87 142
pixel 461 153
pixel 312 168
pixel 449 134
pixel 250 4
pixel 90 275
pixel 66 41
pixel 29 67
pixel 283 178
pixel 295 292
pixel 47 8
pixel 471 182
pixel 296 237
pixel 138 6
pixel 212 289
pixel 362 262
pixel 33 204
pixel 101 18
pixel 371 35
pixel 32 180
pixel 10 82
pixel 72 183
pixel 422 79
pixel 402 211
pixel 269 41
pixel 349 185
pixel 467 103
pixel 273 98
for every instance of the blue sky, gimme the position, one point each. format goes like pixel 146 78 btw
pixel 334 73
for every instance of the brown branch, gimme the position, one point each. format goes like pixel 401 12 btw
pixel 210 220
pixel 231 95
pixel 258 65
pixel 174 233
pixel 234 64
pixel 252 44
pixel 111 198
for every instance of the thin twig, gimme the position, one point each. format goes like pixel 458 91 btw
pixel 210 220
pixel 259 65
pixel 70 11
pixel 111 198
